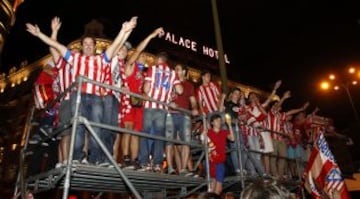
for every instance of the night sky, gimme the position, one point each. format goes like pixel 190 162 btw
pixel 299 42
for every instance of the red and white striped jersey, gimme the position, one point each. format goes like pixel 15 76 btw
pixel 92 67
pixel 254 116
pixel 162 79
pixel 43 90
pixel 274 122
pixel 208 97
pixel 244 129
pixel 64 78
pixel 113 75
pixel 255 119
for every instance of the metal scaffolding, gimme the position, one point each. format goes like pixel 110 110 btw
pixel 75 176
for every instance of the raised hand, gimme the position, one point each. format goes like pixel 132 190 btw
pixel 277 84
pixel 55 24
pixel 159 32
pixel 316 110
pixel 287 94
pixel 129 25
pixel 306 105
pixel 33 29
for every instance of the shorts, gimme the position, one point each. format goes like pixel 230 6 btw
pixel 291 152
pixel 268 144
pixel 64 117
pixel 217 171
pixel 135 116
pixel 178 125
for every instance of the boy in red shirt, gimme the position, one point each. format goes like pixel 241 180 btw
pixel 217 150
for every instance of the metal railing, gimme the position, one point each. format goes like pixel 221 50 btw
pixel 77 119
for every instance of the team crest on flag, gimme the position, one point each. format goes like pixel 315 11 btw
pixel 322 177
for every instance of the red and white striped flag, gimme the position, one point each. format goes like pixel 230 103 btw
pixel 322 177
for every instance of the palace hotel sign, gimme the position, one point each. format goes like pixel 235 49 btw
pixel 193 46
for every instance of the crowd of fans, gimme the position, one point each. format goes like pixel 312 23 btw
pixel 159 100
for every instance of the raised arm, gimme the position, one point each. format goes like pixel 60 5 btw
pixel 294 111
pixel 315 111
pixel 268 100
pixel 55 27
pixel 130 63
pixel 120 39
pixel 35 30
pixel 286 95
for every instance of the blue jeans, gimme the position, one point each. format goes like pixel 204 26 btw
pixel 110 117
pixel 234 151
pixel 91 107
pixel 154 120
pixel 247 160
pixel 255 158
pixel 178 124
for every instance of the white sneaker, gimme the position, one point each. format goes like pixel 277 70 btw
pixel 84 161
pixel 58 165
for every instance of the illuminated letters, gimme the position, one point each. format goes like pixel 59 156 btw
pixel 192 45
pixel 214 53
pixel 187 43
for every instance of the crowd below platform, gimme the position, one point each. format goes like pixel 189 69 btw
pixel 273 142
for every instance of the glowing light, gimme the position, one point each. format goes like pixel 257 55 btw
pixel 354 82
pixel 336 88
pixel 332 76
pixel 1 90
pixel 13 84
pixel 324 85
pixel 227 118
pixel 351 70
pixel 13 147
pixel 25 78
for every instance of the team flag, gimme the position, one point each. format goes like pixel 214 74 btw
pixel 322 177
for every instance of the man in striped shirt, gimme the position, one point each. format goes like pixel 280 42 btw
pixel 208 94
pixel 159 82
pixel 91 66
pixel 258 139
pixel 275 125
pixel 63 79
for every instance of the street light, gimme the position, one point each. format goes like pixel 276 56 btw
pixel 336 83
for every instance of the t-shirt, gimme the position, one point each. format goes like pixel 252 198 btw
pixel 93 67
pixel 219 139
pixel 183 100
pixel 162 79
pixel 208 97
